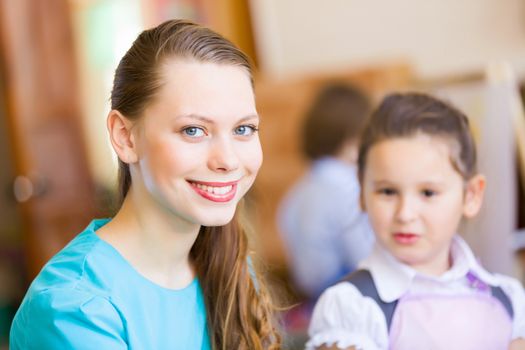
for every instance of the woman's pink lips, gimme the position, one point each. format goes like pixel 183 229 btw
pixel 221 198
pixel 406 238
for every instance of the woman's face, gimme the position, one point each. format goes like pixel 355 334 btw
pixel 197 143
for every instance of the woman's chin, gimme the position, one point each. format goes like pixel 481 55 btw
pixel 217 220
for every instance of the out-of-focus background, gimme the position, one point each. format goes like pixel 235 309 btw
pixel 57 59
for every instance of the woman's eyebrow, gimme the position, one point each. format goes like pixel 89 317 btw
pixel 248 117
pixel 194 116
pixel 210 121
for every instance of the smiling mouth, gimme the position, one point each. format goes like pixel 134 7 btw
pixel 215 191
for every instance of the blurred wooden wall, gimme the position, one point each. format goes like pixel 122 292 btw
pixel 232 19
pixel 53 185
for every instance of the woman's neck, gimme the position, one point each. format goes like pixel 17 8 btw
pixel 155 242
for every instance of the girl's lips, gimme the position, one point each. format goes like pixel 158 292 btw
pixel 215 191
pixel 406 238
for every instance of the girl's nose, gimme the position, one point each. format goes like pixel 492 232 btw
pixel 222 155
pixel 406 210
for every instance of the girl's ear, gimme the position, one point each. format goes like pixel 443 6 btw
pixel 474 192
pixel 121 137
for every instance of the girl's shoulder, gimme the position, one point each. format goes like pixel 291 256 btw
pixel 510 285
pixel 344 316
pixel 347 298
pixel 516 293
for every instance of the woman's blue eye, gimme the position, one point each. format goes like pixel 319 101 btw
pixel 193 131
pixel 245 130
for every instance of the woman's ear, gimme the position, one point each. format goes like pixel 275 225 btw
pixel 474 192
pixel 121 137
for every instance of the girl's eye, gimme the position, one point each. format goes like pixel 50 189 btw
pixel 245 130
pixel 387 191
pixel 428 193
pixel 193 131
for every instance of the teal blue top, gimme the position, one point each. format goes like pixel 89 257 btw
pixel 89 297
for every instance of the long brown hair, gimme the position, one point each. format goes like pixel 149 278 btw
pixel 406 114
pixel 239 310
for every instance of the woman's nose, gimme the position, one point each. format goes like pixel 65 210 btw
pixel 222 155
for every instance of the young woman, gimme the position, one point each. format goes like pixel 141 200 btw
pixel 171 270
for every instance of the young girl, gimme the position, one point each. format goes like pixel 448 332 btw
pixel 421 287
pixel 171 270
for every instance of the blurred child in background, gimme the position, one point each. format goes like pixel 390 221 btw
pixel 323 227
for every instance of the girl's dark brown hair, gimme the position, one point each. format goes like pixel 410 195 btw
pixel 338 113
pixel 239 310
pixel 406 115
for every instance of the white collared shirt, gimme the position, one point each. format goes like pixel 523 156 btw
pixel 344 317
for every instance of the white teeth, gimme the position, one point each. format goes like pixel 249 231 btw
pixel 214 190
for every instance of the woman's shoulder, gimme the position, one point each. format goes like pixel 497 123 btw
pixel 75 266
pixel 58 317
pixel 64 300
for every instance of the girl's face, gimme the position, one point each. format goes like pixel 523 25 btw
pixel 197 145
pixel 415 199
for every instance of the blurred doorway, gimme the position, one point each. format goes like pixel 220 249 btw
pixel 12 269
pixel 48 181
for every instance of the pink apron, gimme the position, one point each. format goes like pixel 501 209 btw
pixel 454 322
